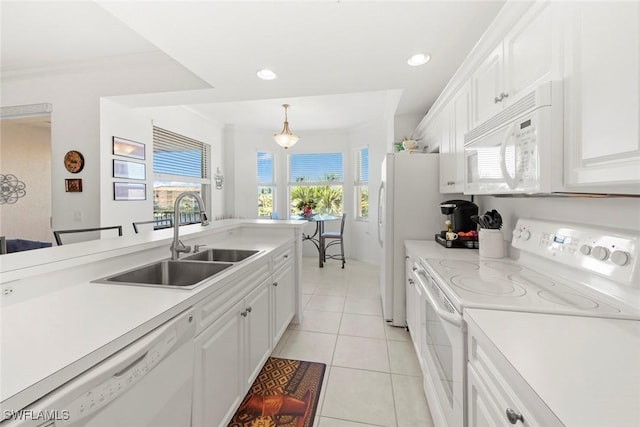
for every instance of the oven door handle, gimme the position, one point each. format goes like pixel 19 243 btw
pixel 454 319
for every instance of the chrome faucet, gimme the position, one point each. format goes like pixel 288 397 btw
pixel 177 246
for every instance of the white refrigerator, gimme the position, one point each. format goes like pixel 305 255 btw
pixel 408 209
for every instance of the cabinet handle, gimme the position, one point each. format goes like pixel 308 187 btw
pixel 514 416
pixel 503 96
pixel 275 284
pixel 411 282
pixel 496 100
pixel 286 256
pixel 249 309
pixel 243 313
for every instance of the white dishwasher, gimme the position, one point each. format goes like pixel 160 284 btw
pixel 148 383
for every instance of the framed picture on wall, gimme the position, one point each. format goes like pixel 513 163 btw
pixel 73 185
pixel 126 148
pixel 130 170
pixel 129 191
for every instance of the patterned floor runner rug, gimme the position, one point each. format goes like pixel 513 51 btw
pixel 285 394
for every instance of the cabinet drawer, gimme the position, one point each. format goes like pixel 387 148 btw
pixel 281 256
pixel 503 386
pixel 214 306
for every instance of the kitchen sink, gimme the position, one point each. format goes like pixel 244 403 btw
pixel 221 255
pixel 172 274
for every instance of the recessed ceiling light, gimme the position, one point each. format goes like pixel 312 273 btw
pixel 418 59
pixel 265 74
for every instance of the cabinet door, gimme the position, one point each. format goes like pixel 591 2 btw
pixel 487 87
pixel 219 370
pixel 258 331
pixel 447 154
pixel 481 410
pixel 461 121
pixel 602 97
pixel 528 52
pixel 284 300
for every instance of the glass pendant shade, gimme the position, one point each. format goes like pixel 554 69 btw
pixel 286 138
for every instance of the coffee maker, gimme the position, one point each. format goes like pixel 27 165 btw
pixel 459 213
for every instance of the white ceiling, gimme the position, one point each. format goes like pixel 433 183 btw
pixel 339 63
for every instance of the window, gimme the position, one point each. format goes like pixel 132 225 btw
pixel 362 184
pixel 266 184
pixel 315 181
pixel 179 164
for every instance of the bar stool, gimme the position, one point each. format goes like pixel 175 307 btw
pixel 58 233
pixel 335 239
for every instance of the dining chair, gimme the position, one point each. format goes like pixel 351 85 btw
pixel 58 233
pixel 158 224
pixel 335 238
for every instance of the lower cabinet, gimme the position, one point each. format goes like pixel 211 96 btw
pixel 229 355
pixel 496 394
pixel 283 291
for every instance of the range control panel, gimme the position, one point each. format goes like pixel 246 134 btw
pixel 610 253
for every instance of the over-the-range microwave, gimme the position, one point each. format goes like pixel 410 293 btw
pixel 519 150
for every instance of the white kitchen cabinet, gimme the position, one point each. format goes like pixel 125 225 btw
pixel 258 342
pixel 602 97
pixel 283 291
pixel 229 355
pixel 218 379
pixel 496 393
pixel 452 148
pixel 523 60
pixel 415 309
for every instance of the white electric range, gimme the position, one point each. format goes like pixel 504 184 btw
pixel 560 269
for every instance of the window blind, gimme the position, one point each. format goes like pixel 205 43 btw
pixel 315 167
pixel 265 168
pixel 178 155
pixel 362 166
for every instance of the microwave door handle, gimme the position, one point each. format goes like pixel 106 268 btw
pixel 380 201
pixel 454 319
pixel 511 181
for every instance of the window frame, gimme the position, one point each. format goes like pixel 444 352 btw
pixel 272 184
pixel 337 183
pixel 359 184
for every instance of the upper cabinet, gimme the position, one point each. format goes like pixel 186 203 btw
pixel 457 116
pixel 516 66
pixel 602 97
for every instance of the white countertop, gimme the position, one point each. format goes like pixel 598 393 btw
pixel 66 324
pixel 587 370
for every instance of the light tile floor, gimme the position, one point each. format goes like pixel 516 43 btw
pixel 373 377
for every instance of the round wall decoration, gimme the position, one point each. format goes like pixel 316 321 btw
pixel 11 189
pixel 74 161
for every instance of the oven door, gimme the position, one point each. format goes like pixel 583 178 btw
pixel 443 352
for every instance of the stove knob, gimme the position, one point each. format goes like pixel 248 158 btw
pixel 525 235
pixel 620 258
pixel 585 249
pixel 600 253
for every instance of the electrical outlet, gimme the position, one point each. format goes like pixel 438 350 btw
pixel 7 290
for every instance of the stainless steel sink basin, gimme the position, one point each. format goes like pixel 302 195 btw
pixel 221 255
pixel 167 273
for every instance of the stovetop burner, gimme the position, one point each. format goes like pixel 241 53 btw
pixel 507 285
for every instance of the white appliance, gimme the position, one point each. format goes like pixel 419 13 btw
pixel 518 151
pixel 562 269
pixel 147 384
pixel 408 208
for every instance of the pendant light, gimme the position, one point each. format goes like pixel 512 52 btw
pixel 285 138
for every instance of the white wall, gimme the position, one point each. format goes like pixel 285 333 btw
pixel 137 125
pixel 25 151
pixel 75 94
